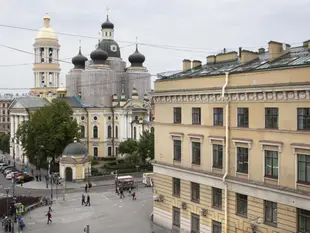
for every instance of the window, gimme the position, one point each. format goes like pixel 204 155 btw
pixel 109 151
pixel 303 168
pixel 135 132
pixel 242 159
pixel 116 131
pixel 271 118
pixel 176 219
pixel 303 221
pixel 217 156
pixel 195 223
pixel 196 153
pixel 243 117
pixel 116 151
pixel 242 204
pixel 196 116
pixel 271 164
pixel 3 119
pixel 109 131
pixel 195 192
pixel 177 115
pixel 177 150
pixel 3 112
pixel 216 227
pixel 216 198
pixel 270 212
pixel 95 151
pixel 176 187
pixel 303 118
pixel 95 131
pixel 82 128
pixel 218 116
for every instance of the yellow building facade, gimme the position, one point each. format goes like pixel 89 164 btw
pixel 232 150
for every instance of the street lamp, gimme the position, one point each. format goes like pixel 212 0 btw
pixel 137 166
pixel 7 190
pixel 50 176
pixel 13 149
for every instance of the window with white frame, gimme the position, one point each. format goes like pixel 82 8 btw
pixel 196 153
pixel 271 164
pixel 242 159
pixel 217 153
pixel 303 169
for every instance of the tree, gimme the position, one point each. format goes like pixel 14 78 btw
pixel 5 143
pixel 48 132
pixel 146 145
pixel 128 147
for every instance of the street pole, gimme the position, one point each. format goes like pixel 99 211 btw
pixel 7 190
pixel 14 214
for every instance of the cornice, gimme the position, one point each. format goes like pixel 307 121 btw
pixel 242 95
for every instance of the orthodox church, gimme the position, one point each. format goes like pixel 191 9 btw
pixel 110 101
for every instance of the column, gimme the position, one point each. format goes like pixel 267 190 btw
pixel 12 129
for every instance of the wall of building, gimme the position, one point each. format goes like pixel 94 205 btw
pixel 4 114
pixel 73 82
pixel 139 78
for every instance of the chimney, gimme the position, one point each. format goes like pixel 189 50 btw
pixel 196 64
pixel 211 59
pixel 225 57
pixel 261 50
pixel 277 49
pixel 307 44
pixel 186 64
pixel 247 56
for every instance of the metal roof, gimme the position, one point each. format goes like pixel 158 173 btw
pixel 32 101
pixel 297 56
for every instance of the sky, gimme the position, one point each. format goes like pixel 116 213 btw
pixel 172 29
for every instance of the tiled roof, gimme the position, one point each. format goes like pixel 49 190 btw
pixel 298 56
pixel 32 102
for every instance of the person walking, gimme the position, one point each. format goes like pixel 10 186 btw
pixel 83 199
pixel 89 186
pixel 122 193
pixel 134 196
pixel 129 191
pixel 86 188
pixel 49 217
pixel 88 200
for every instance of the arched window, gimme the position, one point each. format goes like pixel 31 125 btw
pixel 135 132
pixel 95 131
pixel 95 151
pixel 116 131
pixel 109 131
pixel 82 128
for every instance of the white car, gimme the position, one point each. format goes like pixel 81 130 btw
pixel 11 175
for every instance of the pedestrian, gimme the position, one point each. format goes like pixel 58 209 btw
pixel 37 178
pixel 83 199
pixel 88 200
pixel 134 196
pixel 89 186
pixel 86 188
pixel 118 191
pixel 122 193
pixel 50 208
pixel 49 217
pixel 129 191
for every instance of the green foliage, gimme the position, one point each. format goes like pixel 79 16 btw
pixel 128 147
pixel 48 132
pixel 146 145
pixel 133 158
pixel 94 162
pixel 5 143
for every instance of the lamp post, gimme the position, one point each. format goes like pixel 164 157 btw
pixel 50 176
pixel 137 166
pixel 7 190
pixel 13 149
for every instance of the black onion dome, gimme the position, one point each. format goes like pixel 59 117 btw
pixel 79 60
pixel 136 59
pixel 107 24
pixel 99 55
pixel 111 47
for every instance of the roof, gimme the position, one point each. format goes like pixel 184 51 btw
pixel 296 57
pixel 31 102
pixel 72 101
pixel 75 149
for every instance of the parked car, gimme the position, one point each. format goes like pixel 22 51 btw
pixel 7 168
pixel 7 171
pixel 24 178
pixel 13 174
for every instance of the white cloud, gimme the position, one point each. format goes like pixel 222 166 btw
pixel 209 25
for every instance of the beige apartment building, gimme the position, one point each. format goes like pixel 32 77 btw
pixel 5 101
pixel 232 143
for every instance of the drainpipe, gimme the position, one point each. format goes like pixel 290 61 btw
pixel 226 150
pixel 113 131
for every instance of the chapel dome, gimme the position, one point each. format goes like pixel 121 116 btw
pixel 46 32
pixel 99 55
pixel 75 149
pixel 79 60
pixel 111 47
pixel 107 24
pixel 136 59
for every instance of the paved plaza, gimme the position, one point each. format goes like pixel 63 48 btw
pixel 107 214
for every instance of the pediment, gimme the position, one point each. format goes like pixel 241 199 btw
pixel 16 105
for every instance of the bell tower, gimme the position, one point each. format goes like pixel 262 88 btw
pixel 46 60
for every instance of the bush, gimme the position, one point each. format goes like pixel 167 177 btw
pixel 108 158
pixel 95 172
pixel 94 162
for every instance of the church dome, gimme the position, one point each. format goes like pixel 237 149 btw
pixel 136 59
pixel 79 60
pixel 107 24
pixel 75 149
pixel 99 55
pixel 111 47
pixel 46 32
